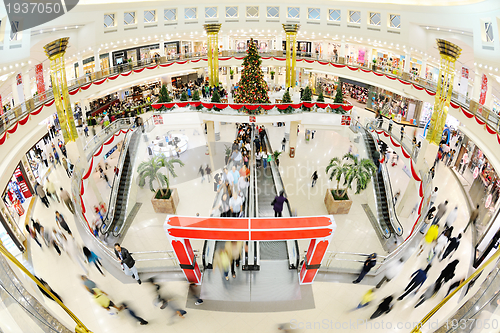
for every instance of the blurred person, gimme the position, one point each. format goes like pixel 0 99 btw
pixel 51 189
pixel 88 283
pixel 427 220
pixel 278 203
pixel 473 218
pixel 195 293
pixel 222 261
pixel 72 249
pixel 236 205
pixel 127 262
pixel 383 308
pixel 59 239
pixel 430 236
pixel 452 217
pixel 46 285
pixel 427 294
pixel 314 178
pixel 208 172
pixel 66 198
pixel 243 184
pixel 32 234
pixel 61 222
pixel 234 249
pixel 393 268
pixel 283 144
pixel 418 278
pixel 124 306
pixel 41 194
pixel 441 210
pixel 92 258
pixel 103 300
pixel 202 172
pixel 369 263
pixel 367 298
pixel 446 275
pixel 433 197
pixel 65 165
pixel 452 246
pixel 454 286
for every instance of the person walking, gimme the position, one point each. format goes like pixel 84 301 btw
pixel 44 159
pixel 86 131
pixel 92 258
pixel 105 176
pixel 473 218
pixel 66 198
pixel 124 306
pixel 433 196
pixel 222 261
pixel 418 278
pixel 451 217
pixel 233 250
pixel 383 308
pixel 366 299
pixel 367 266
pixel 103 300
pixel 88 283
pixel 446 275
pixel 41 194
pixel 195 293
pixel 452 246
pixel 61 223
pixel 56 156
pixel 393 268
pixel 127 262
pixel 50 188
pixel 427 220
pixel 66 167
pixel 32 233
pixel 402 132
pixel 264 159
pixel 314 178
pixel 235 204
pixel 202 172
pixel 283 144
pixel 441 210
pixel 277 204
pixel 208 172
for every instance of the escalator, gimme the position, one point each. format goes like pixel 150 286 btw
pixel 117 215
pixel 386 230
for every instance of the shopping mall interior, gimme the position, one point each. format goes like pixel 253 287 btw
pixel 250 167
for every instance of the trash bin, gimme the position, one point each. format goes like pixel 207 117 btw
pixel 292 152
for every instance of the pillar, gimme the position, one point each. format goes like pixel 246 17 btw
pixel 449 53
pixel 162 46
pixel 27 83
pixel 291 53
pixel 97 60
pixel 187 260
pixel 287 131
pixel 15 93
pixel 279 42
pixel 423 69
pixel 342 52
pixel 216 130
pixel 211 140
pixel 225 42
pixel 80 66
pixel 292 135
pixel 313 259
pixel 55 52
pixel 213 52
pixel 407 66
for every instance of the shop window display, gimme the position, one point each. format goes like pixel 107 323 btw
pixel 16 195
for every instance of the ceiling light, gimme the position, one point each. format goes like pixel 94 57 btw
pixel 41 31
pixel 438 29
pixel 53 29
pixel 427 28
pixel 65 28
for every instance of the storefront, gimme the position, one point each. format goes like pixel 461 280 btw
pixel 328 84
pixel 135 54
pixel 172 49
pixel 10 234
pixel 403 110
pixel 17 195
pixel 34 159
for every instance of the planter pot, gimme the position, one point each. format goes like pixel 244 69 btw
pixel 374 67
pixel 272 77
pixel 336 206
pixel 166 206
pixel 231 77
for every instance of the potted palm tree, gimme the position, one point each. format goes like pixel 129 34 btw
pixel 165 199
pixel 352 171
pixel 272 74
pixel 231 74
pixel 277 154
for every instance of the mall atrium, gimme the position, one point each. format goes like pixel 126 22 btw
pixel 250 167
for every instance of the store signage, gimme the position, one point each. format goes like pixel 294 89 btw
pixel 346 120
pixel 110 152
pixel 251 119
pixel 19 79
pixel 158 119
pixel 487 203
pixel 40 84
pixel 484 89
pixel 1 106
pixel 465 73
pixel 476 172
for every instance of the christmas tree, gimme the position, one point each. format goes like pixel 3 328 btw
pixel 252 89
pixel 184 96
pixel 307 97
pixel 321 98
pixel 216 98
pixel 287 100
pixel 339 99
pixel 164 97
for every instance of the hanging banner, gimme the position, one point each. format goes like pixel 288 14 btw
pixel 361 56
pixel 20 91
pixel 40 84
pixel 1 106
pixel 484 89
pixel 464 83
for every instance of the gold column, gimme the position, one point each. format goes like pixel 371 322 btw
pixel 80 327
pixel 213 51
pixel 55 52
pixel 291 52
pixel 449 54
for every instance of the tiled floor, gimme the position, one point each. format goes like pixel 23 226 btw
pixel 332 301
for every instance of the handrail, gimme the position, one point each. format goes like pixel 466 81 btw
pixel 393 218
pixel 105 134
pixel 431 313
pixel 15 114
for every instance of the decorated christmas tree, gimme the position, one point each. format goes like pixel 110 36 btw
pixel 252 89
pixel 216 98
pixel 184 96
pixel 306 97
pixel 339 99
pixel 164 97
pixel 321 98
pixel 287 100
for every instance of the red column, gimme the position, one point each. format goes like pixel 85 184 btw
pixel 187 261
pixel 312 261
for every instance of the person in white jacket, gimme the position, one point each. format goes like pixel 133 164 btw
pixel 392 270
pixel 452 217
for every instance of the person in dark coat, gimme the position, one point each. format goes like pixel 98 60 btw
pixel 418 278
pixel 367 266
pixel 128 263
pixel 278 204
pixel 446 275
pixel 384 307
pixel 46 285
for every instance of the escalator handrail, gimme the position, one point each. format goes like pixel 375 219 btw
pixel 393 218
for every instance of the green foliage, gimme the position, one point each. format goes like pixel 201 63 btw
pixel 184 96
pixel 321 98
pixel 306 97
pixel 352 171
pixel 164 96
pixel 215 96
pixel 252 89
pixel 227 150
pixel 339 99
pixel 277 154
pixel 150 170
pixel 287 100
pixel 196 95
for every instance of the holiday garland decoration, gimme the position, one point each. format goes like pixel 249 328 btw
pixel 252 89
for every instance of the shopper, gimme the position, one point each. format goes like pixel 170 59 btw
pixel 61 223
pixel 433 196
pixel 383 308
pixel 66 167
pixel 235 204
pixel 124 306
pixel 446 275
pixel 56 156
pixel 44 159
pixel 127 262
pixel 314 178
pixel 103 300
pixel 441 210
pixel 208 172
pixel 473 218
pixel 452 246
pixel 223 262
pixel 367 266
pixel 51 189
pixel 195 293
pixel 66 198
pixel 283 144
pixel 402 132
pixel 277 204
pixel 201 170
pixel 366 299
pixel 92 258
pixel 451 217
pixel 32 234
pixel 418 278
pixel 264 159
pixel 41 194
pixel 46 294
pixel 88 284
pixel 393 268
